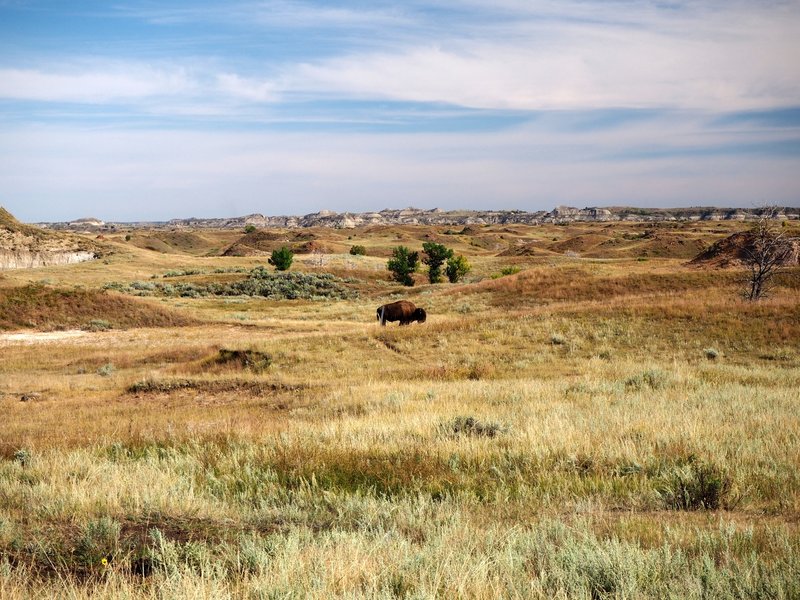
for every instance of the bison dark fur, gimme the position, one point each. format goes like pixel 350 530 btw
pixel 403 311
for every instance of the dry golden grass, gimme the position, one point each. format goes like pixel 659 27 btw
pixel 585 428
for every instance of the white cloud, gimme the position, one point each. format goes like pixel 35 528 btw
pixel 725 60
pixel 111 82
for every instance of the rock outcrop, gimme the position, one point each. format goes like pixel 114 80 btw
pixel 416 216
pixel 24 246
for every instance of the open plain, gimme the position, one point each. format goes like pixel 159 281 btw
pixel 586 415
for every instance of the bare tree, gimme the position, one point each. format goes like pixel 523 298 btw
pixel 767 251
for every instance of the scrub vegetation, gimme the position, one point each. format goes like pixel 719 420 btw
pixel 601 427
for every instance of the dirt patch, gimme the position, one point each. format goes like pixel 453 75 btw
pixel 41 337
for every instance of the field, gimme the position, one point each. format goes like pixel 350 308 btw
pixel 585 416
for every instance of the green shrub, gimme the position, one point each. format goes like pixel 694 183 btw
pixel 282 259
pixel 505 271
pixel 358 250
pixel 695 486
pixel 98 543
pixel 403 264
pixel 250 228
pixel 457 268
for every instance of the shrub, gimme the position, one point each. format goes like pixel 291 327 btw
pixel 435 257
pixel 457 268
pixel 250 228
pixel 711 353
pixel 695 486
pixel 505 271
pixel 358 250
pixel 106 370
pixel 470 426
pixel 557 339
pixel 98 325
pixel 99 542
pixel 23 457
pixel 654 379
pixel 402 264
pixel 282 259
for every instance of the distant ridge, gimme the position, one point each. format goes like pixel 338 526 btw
pixel 416 216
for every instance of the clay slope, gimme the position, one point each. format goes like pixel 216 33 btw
pixel 261 243
pixel 25 246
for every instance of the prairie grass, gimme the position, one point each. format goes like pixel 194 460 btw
pixel 562 432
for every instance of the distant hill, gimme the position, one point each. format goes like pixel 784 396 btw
pixel 733 251
pixel 416 216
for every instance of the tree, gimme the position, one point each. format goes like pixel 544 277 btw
pixel 281 259
pixel 249 228
pixel 435 256
pixel 402 264
pixel 357 250
pixel 766 251
pixel 457 267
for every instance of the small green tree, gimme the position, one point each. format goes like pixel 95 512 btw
pixel 281 259
pixel 358 250
pixel 402 264
pixel 457 267
pixel 250 228
pixel 435 256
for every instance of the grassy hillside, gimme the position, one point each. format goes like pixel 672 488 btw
pixel 617 427
pixel 43 308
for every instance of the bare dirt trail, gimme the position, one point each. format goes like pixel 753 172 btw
pixel 40 337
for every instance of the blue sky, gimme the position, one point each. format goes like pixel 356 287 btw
pixel 161 109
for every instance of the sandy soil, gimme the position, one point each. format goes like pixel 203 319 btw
pixel 38 337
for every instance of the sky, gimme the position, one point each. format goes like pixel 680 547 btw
pixel 163 109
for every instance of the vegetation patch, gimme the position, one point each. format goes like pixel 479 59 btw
pixel 252 360
pixel 260 282
pixel 471 426
pixel 167 386
pixel 696 485
pixel 654 379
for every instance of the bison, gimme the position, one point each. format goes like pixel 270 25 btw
pixel 403 311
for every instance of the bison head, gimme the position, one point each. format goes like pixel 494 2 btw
pixel 420 315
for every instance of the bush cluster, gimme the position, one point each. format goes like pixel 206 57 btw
pixel 260 282
pixel 404 263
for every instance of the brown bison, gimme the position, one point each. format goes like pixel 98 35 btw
pixel 403 311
